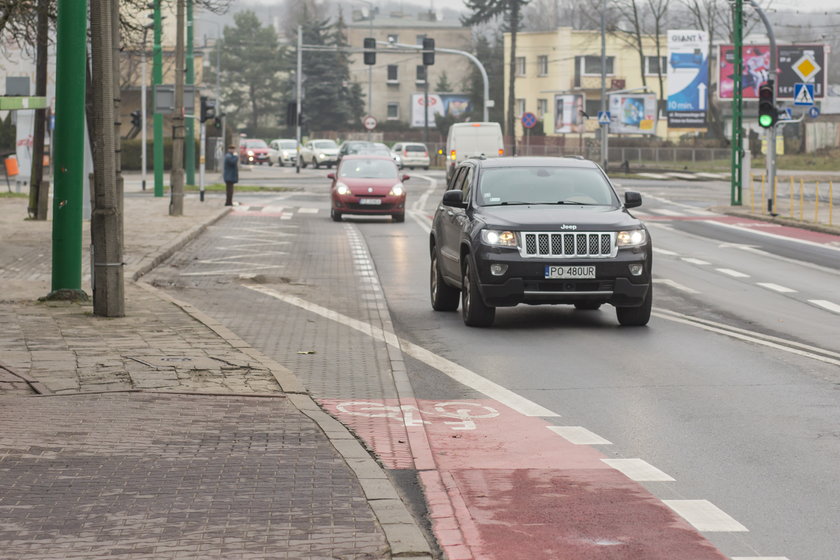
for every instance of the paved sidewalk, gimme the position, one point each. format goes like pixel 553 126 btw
pixel 162 434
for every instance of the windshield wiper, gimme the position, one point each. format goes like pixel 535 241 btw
pixel 514 203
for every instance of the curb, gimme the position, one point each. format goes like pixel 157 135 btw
pixel 178 243
pixel 779 219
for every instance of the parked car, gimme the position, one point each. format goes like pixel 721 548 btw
pixel 319 152
pixel 538 231
pixel 411 154
pixel 367 184
pixel 253 150
pixel 283 151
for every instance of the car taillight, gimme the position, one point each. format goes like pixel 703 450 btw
pixel 501 151
pixel 452 155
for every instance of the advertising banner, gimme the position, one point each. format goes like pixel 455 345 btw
pixel 567 113
pixel 688 78
pixel 797 64
pixel 444 104
pixel 633 113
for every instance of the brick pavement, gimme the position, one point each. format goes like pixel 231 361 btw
pixel 149 444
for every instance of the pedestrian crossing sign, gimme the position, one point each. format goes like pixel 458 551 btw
pixel 604 117
pixel 803 94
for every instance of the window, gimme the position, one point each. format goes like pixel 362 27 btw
pixel 591 65
pixel 393 38
pixel 653 65
pixel 421 74
pixel 520 106
pixel 542 107
pixel 393 111
pixel 592 107
pixel 520 65
pixel 542 65
pixel 393 73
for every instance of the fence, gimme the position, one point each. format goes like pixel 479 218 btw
pixel 798 200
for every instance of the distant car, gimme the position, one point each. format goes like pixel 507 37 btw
pixel 253 150
pixel 411 154
pixel 367 184
pixel 283 151
pixel 319 152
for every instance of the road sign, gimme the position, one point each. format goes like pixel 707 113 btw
pixel 806 67
pixel 814 112
pixel 803 94
pixel 604 117
pixel 369 121
pixel 786 114
pixel 529 120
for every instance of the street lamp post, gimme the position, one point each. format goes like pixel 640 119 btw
pixel 143 104
pixel 202 136
pixel 370 67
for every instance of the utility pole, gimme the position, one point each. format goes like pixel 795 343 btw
pixel 605 128
pixel 299 88
pixel 189 147
pixel 143 104
pixel 157 80
pixel 176 196
pixel 771 132
pixel 71 50
pixel 38 194
pixel 106 218
pixel 737 93
pixel 425 104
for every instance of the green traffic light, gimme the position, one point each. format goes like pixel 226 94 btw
pixel 765 120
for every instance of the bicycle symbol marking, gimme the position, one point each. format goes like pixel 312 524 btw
pixel 462 414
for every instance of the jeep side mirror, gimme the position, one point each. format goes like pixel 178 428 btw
pixel 454 198
pixel 632 199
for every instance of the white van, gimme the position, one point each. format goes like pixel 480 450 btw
pixel 473 139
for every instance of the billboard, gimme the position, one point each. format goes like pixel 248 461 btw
pixel 444 104
pixel 797 64
pixel 568 115
pixel 633 113
pixel 688 78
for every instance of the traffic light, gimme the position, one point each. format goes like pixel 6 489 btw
pixel 136 119
pixel 428 51
pixel 291 113
pixel 767 112
pixel 370 51
pixel 208 108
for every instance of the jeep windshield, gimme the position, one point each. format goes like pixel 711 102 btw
pixel 505 186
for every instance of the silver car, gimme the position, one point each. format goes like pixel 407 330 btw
pixel 318 153
pixel 411 155
pixel 283 151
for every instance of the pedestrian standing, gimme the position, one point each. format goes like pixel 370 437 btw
pixel 231 173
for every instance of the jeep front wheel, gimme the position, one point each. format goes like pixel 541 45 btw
pixel 636 316
pixel 473 309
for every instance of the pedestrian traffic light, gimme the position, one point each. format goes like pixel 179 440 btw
pixel 428 51
pixel 767 112
pixel 208 108
pixel 370 51
pixel 217 122
pixel 136 119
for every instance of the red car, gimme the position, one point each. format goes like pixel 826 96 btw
pixel 368 184
pixel 254 150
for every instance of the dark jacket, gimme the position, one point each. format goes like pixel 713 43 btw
pixel 231 173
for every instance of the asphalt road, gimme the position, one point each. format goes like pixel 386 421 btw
pixel 732 392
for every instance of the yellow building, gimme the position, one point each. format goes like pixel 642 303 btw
pixel 568 61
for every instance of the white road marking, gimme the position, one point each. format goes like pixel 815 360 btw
pixel 826 305
pixel 699 211
pixel 692 260
pixel 638 470
pixel 665 212
pixel 760 558
pixel 776 288
pixel 665 252
pixel 732 273
pixel 789 346
pixel 705 516
pixel 713 175
pixel 652 175
pixel 773 235
pixel 458 373
pixel 579 435
pixel 675 285
pixel 307 210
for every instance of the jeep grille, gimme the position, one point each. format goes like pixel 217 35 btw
pixel 568 245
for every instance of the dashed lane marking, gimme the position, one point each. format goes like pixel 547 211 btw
pixel 705 516
pixel 826 305
pixel 675 285
pixel 732 273
pixel 665 212
pixel 760 558
pixel 638 470
pixel 699 262
pixel 776 287
pixel 307 211
pixel 458 373
pixel 579 435
pixel 665 252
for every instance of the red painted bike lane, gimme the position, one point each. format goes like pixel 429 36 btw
pixel 501 485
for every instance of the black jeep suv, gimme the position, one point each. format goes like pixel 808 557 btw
pixel 538 230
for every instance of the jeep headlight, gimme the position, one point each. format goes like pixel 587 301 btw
pixel 397 190
pixel 342 189
pixel 631 238
pixel 498 238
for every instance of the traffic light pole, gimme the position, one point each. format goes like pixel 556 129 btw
pixel 157 79
pixel 299 87
pixel 189 146
pixel 771 132
pixel 737 117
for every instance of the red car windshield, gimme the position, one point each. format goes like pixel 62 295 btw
pixel 368 169
pixel 251 144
